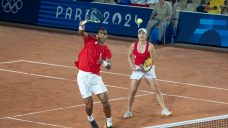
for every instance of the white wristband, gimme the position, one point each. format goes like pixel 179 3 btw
pixel 105 64
pixel 81 27
pixel 137 67
pixel 153 67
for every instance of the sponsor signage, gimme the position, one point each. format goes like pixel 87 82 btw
pixel 66 14
pixel 203 29
pixel 22 11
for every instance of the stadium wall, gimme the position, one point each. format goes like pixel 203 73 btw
pixel 203 29
pixel 120 20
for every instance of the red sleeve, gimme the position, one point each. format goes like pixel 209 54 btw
pixel 89 39
pixel 108 53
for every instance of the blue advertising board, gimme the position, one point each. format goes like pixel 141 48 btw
pixel 203 29
pixel 21 11
pixel 66 14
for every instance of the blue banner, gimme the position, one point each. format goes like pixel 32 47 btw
pixel 203 29
pixel 21 11
pixel 118 20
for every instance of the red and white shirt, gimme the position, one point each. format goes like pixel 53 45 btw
pixel 140 57
pixel 90 54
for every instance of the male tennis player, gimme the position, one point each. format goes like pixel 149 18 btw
pixel 138 52
pixel 92 56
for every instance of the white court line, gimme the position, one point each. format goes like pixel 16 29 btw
pixel 56 109
pixel 13 71
pixel 60 78
pixel 167 81
pixel 222 119
pixel 192 98
pixel 51 77
pixel 41 123
pixel 8 62
pixel 32 74
pixel 185 97
pixel 32 113
pixel 57 65
pixel 195 85
pixel 42 63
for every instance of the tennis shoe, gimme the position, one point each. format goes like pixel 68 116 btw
pixel 166 112
pixel 128 115
pixel 107 126
pixel 94 124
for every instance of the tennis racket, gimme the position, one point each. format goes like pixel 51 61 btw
pixel 93 15
pixel 147 65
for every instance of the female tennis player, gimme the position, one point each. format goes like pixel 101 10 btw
pixel 94 55
pixel 138 52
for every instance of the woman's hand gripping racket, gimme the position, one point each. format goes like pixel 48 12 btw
pixel 93 15
pixel 147 65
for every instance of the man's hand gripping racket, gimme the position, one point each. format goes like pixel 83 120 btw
pixel 92 15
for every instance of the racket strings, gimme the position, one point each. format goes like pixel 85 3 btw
pixel 94 15
pixel 147 64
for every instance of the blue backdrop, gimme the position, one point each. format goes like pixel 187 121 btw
pixel 118 20
pixel 21 11
pixel 194 28
pixel 203 29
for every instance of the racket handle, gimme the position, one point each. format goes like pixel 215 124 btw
pixel 83 22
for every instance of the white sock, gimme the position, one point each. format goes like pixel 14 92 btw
pixel 91 118
pixel 109 121
pixel 166 109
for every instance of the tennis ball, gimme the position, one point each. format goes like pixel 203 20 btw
pixel 139 21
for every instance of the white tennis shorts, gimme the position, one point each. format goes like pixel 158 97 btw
pixel 89 84
pixel 137 75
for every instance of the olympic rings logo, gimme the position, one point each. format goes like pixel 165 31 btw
pixel 12 5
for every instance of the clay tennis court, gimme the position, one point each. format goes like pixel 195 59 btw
pixel 38 87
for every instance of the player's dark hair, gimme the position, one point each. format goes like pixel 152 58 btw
pixel 103 29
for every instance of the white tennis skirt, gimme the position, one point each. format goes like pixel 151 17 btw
pixel 137 75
